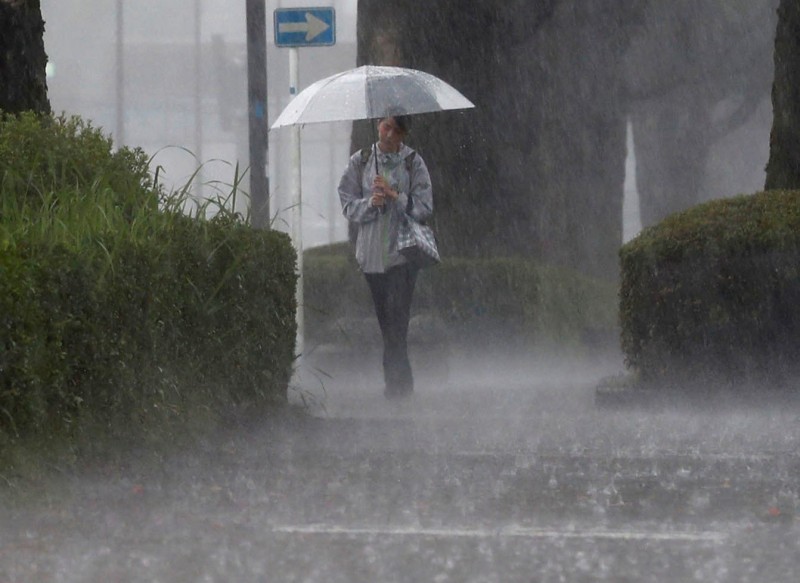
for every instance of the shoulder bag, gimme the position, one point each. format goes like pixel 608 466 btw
pixel 417 243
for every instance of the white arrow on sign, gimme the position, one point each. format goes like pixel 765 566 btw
pixel 313 26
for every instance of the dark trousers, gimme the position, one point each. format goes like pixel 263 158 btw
pixel 391 294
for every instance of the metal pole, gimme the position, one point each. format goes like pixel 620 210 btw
pixel 297 198
pixel 257 107
pixel 198 98
pixel 120 85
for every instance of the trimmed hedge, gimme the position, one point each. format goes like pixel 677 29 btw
pixel 116 307
pixel 202 316
pixel 482 301
pixel 713 292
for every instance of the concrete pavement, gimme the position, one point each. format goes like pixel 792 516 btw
pixel 508 472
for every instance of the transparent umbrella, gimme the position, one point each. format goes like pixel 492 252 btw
pixel 367 92
pixel 371 92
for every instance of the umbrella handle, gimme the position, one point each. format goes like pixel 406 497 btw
pixel 377 172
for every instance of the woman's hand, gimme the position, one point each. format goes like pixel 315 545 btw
pixel 377 199
pixel 382 188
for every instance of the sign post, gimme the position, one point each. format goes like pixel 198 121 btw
pixel 297 201
pixel 296 28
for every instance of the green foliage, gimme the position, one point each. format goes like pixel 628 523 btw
pixel 713 292
pixel 502 300
pixel 62 183
pixel 114 305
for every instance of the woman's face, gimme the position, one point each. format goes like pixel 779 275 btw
pixel 390 136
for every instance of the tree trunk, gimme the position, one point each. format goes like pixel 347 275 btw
pixel 671 139
pixel 23 84
pixel 537 168
pixel 783 169
pixel 578 127
pixel 695 73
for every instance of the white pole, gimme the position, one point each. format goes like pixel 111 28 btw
pixel 332 202
pixel 297 201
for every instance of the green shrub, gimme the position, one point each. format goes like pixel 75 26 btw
pixel 114 306
pixel 231 309
pixel 712 293
pixel 45 162
pixel 502 300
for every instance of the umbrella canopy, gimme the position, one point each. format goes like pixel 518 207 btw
pixel 370 92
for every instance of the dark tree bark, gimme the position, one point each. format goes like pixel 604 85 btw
pixel 691 61
pixel 783 169
pixel 23 85
pixel 537 169
pixel 459 46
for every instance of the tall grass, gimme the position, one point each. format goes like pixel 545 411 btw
pixel 114 291
pixel 63 185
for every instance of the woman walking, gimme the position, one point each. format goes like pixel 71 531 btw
pixel 379 188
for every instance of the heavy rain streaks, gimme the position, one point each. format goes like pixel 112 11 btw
pixel 503 466
pixel 471 480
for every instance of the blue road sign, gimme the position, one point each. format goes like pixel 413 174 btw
pixel 305 27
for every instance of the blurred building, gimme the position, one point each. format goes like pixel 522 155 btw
pixel 170 76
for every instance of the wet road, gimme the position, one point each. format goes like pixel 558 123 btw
pixel 512 477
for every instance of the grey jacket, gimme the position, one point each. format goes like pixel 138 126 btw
pixel 376 245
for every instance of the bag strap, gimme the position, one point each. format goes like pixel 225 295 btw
pixel 364 154
pixel 410 162
pixel 409 165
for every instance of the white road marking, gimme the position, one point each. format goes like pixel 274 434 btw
pixel 517 532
